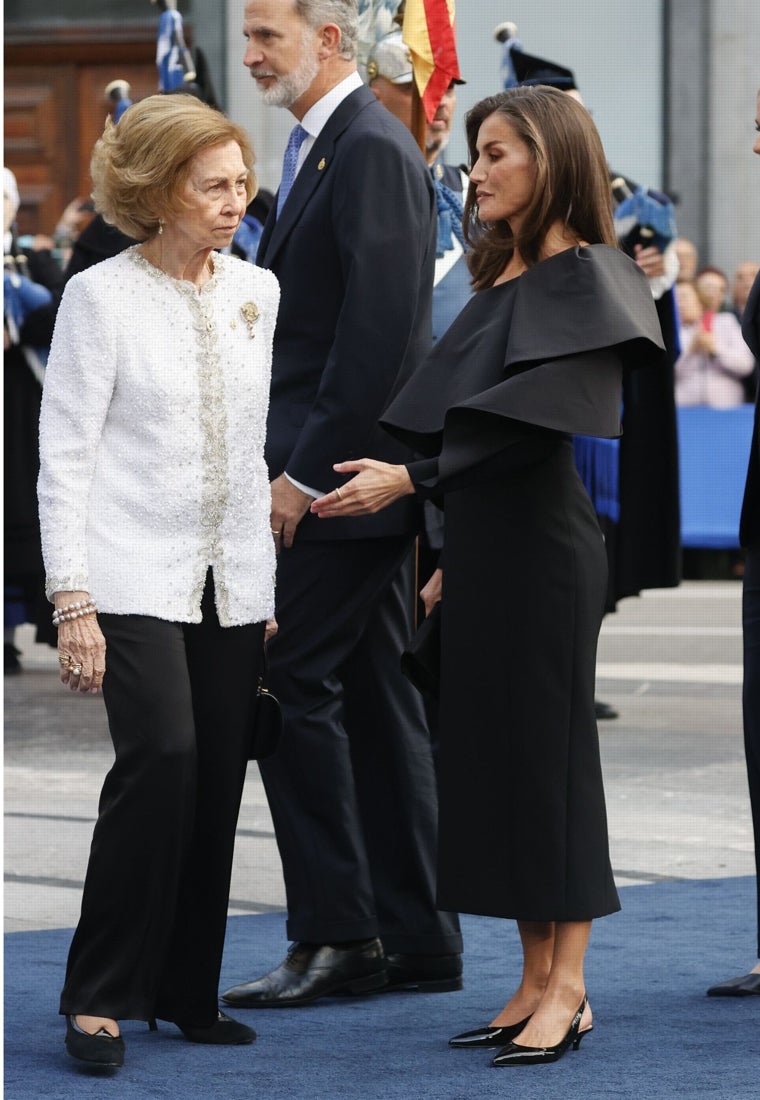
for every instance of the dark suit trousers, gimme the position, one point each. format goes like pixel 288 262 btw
pixel 352 787
pixel 751 698
pixel 154 910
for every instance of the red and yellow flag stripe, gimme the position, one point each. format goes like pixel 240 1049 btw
pixel 428 31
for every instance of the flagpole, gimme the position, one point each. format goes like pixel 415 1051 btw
pixel 419 121
pixel 419 133
pixel 428 31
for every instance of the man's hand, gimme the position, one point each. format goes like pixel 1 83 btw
pixel 289 506
pixel 433 591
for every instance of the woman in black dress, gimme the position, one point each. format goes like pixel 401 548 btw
pixel 536 356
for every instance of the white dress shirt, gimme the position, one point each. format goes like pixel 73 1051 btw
pixel 317 115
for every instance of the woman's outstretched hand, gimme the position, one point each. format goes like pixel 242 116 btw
pixel 376 485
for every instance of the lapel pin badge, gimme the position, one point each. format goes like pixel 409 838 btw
pixel 250 312
pixel 321 164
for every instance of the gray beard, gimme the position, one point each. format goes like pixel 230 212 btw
pixel 437 145
pixel 287 89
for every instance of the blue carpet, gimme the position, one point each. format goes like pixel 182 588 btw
pixel 656 1036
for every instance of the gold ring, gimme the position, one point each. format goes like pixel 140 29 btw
pixel 337 493
pixel 274 531
pixel 64 659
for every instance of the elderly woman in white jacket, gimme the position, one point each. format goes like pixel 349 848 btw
pixel 154 511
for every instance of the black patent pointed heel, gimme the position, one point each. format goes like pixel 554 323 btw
pixel 99 1049
pixel 516 1055
pixel 579 1036
pixel 492 1036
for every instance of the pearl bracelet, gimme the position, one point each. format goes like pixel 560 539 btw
pixel 74 611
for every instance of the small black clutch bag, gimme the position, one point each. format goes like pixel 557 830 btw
pixel 266 723
pixel 421 660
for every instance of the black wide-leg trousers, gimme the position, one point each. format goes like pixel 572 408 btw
pixel 151 933
pixel 751 699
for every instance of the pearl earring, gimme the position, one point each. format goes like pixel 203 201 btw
pixel 160 226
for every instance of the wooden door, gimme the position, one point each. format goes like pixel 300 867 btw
pixel 55 109
pixel 40 130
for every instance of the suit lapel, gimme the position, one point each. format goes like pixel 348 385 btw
pixel 751 319
pixel 314 169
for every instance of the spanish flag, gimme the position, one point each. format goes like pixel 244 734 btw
pixel 428 31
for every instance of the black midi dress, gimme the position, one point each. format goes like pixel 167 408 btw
pixel 528 363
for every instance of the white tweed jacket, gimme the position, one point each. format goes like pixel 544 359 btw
pixel 152 441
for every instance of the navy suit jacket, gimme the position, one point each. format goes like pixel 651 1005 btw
pixel 354 251
pixel 749 526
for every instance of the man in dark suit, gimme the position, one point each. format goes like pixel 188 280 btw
pixel 352 787
pixel 749 537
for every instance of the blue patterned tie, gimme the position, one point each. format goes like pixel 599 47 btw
pixel 289 162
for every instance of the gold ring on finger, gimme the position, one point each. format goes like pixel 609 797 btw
pixel 64 659
pixel 338 495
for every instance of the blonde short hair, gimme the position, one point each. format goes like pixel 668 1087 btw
pixel 140 166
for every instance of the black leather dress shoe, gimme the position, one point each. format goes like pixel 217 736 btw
pixel 745 986
pixel 424 973
pixel 604 711
pixel 487 1036
pixel 314 970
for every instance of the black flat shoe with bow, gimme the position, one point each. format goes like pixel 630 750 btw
pixel 517 1055
pixel 492 1036
pixel 99 1049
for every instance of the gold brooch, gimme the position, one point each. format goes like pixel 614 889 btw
pixel 250 312
pixel 321 164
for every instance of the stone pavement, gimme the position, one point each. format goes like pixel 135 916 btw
pixel 674 767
